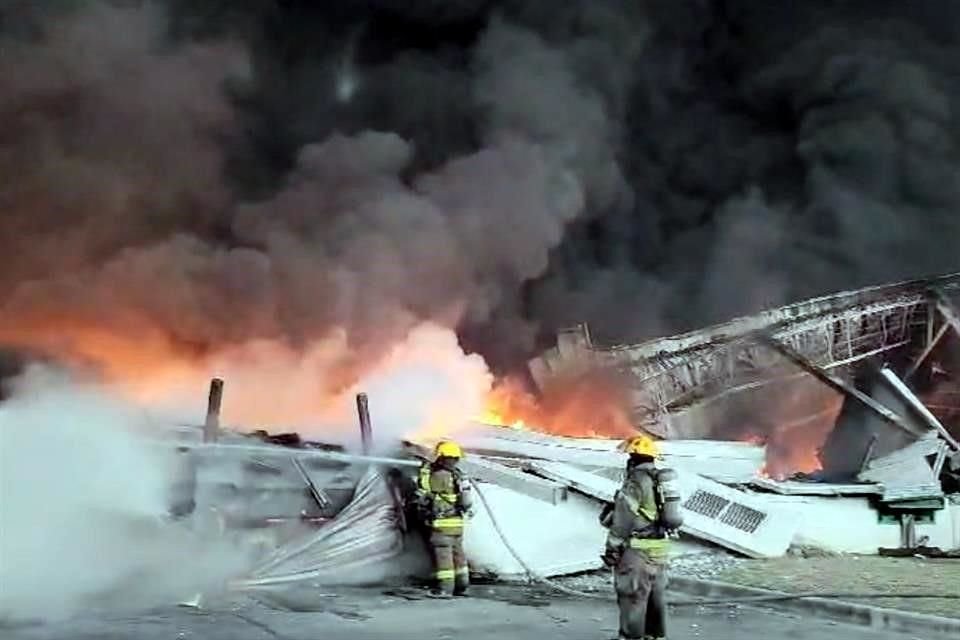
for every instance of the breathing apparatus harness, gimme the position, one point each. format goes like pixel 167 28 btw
pixel 431 504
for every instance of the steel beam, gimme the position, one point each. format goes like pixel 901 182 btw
pixel 835 383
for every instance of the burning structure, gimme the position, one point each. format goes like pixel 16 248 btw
pixel 778 425
pixel 787 376
pixel 848 394
pixel 186 199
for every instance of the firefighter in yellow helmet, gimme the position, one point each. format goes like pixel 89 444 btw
pixel 444 498
pixel 637 542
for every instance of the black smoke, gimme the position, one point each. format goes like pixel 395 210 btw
pixel 220 171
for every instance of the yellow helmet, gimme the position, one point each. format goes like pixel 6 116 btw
pixel 640 445
pixel 448 449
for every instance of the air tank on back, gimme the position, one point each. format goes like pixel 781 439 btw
pixel 668 486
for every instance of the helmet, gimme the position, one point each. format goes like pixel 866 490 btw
pixel 448 449
pixel 640 445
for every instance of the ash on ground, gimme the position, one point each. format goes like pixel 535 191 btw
pixel 703 566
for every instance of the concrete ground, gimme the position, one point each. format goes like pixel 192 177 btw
pixel 502 613
pixel 858 574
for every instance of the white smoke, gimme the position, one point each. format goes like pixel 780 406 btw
pixel 426 386
pixel 83 508
pixel 424 383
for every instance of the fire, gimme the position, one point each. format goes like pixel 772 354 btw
pixel 422 382
pixel 795 430
pixel 423 386
pixel 493 418
pixel 592 405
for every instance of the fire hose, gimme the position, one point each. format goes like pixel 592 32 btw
pixel 531 575
pixel 773 597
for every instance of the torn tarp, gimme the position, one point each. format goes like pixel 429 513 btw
pixel 360 537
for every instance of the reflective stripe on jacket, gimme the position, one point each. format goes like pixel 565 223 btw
pixel 439 490
pixel 423 478
pixel 452 525
pixel 657 548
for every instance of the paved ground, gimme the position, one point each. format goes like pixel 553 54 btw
pixel 858 574
pixel 362 615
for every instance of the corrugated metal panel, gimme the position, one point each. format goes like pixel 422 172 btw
pixel 731 462
pixel 794 488
pixel 365 533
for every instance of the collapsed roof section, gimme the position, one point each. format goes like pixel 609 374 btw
pixel 856 370
pixel 787 376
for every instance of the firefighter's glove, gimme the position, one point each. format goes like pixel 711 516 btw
pixel 611 557
pixel 606 516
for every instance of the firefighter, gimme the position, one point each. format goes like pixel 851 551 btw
pixel 637 543
pixel 444 498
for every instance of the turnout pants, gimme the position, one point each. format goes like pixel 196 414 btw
pixel 641 584
pixel 450 563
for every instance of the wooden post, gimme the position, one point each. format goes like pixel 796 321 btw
pixel 366 432
pixel 211 427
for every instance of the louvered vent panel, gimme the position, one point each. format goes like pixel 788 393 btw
pixel 743 517
pixel 706 503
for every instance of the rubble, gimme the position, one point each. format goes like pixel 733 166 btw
pixel 907 474
pixel 883 453
pixel 880 480
pixel 704 566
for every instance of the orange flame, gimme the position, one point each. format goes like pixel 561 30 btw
pixel 592 405
pixel 428 386
pixel 422 379
pixel 794 431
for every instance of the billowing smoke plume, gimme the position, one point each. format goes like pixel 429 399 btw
pixel 775 152
pixel 421 385
pixel 83 507
pixel 178 177
pixel 125 229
